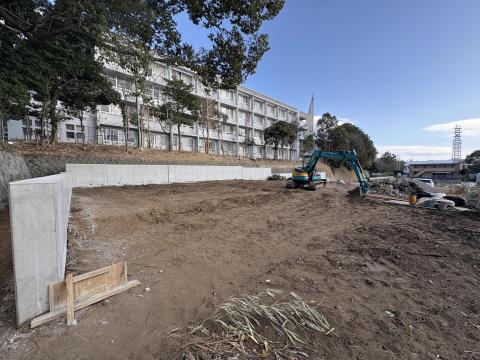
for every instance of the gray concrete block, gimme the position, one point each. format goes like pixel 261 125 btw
pixel 150 174
pixel 119 175
pixel 39 210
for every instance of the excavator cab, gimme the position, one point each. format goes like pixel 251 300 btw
pixel 302 177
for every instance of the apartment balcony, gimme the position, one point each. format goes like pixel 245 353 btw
pixel 258 141
pixel 258 111
pixel 105 118
pixel 242 105
pixel 228 101
pixel 187 130
pixel 229 137
pixel 231 120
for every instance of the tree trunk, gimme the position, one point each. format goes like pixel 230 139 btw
pixel 179 127
pixel 137 110
pixel 207 143
pixel 83 129
pixel 43 114
pixel 170 138
pixel 275 152
pixel 123 108
pixel 2 129
pixel 149 139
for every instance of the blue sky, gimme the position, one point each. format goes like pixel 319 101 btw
pixel 404 71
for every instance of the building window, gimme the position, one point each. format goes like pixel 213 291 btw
pixel 226 94
pixel 227 111
pixel 156 93
pixel 270 110
pixel 258 105
pixel 114 136
pixel 70 131
pixel 162 70
pixel 187 79
pixel 258 120
pixel 124 85
pixel 282 113
pixel 243 99
pixel 187 142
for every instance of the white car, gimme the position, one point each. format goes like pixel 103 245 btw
pixel 428 182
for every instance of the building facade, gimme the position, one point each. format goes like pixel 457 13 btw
pixel 435 169
pixel 248 113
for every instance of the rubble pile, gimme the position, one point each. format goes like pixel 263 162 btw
pixel 398 187
pixel 473 197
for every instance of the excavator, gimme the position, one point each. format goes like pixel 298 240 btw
pixel 306 177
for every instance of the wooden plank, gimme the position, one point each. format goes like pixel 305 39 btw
pixel 42 319
pixel 70 308
pixel 91 274
pixel 89 284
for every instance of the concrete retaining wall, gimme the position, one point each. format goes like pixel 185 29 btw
pixel 39 209
pixel 94 175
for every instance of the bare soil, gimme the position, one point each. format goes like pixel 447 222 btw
pixel 395 282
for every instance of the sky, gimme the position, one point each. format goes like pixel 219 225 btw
pixel 404 71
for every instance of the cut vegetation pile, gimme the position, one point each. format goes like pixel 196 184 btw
pixel 272 323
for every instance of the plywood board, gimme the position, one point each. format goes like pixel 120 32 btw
pixel 87 289
pixel 88 284
pixel 42 319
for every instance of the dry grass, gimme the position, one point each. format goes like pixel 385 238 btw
pixel 272 323
pixel 112 152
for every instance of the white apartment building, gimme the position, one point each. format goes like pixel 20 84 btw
pixel 248 111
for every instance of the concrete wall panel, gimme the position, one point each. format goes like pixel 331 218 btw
pixel 81 174
pixel 150 174
pixel 39 210
pixel 99 175
pixel 119 175
pixel 256 173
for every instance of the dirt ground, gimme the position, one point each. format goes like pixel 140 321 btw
pixel 394 282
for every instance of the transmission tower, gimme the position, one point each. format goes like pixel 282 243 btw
pixel 457 143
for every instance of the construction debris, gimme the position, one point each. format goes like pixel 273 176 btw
pixel 435 203
pixel 400 187
pixel 77 292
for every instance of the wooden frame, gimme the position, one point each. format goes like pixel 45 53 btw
pixel 77 292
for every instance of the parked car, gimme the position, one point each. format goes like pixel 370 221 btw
pixel 428 182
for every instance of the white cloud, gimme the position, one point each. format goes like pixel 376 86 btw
pixel 341 121
pixel 418 152
pixel 470 127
